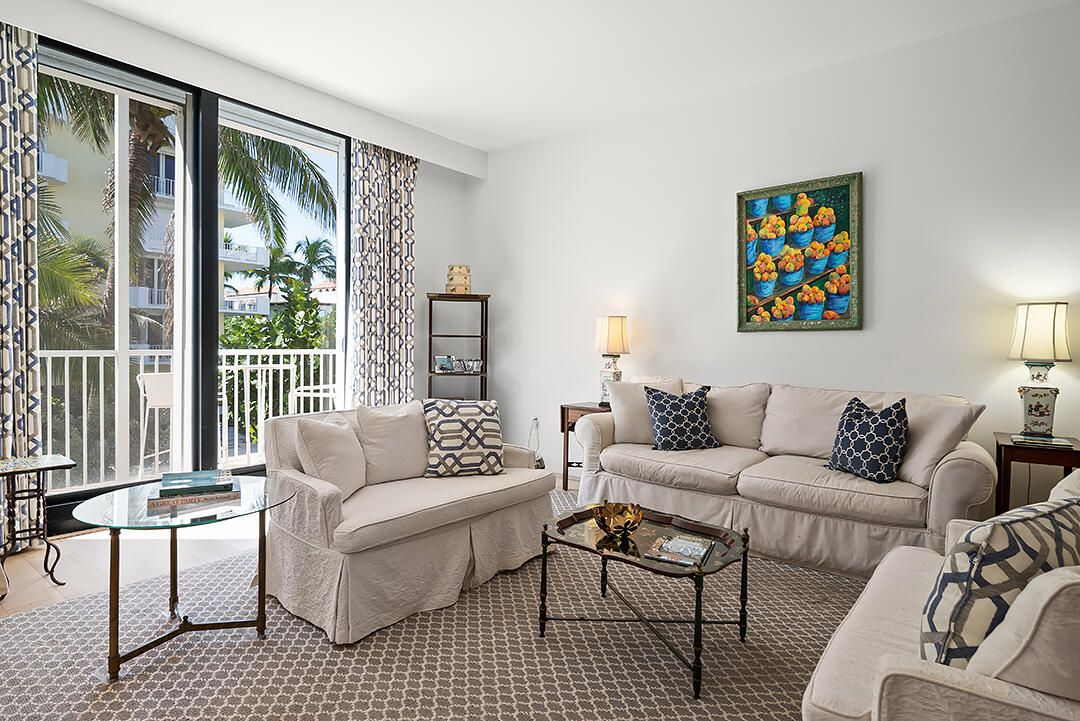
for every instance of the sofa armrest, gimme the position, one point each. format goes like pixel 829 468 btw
pixel 956 528
pixel 315 511
pixel 962 481
pixel 910 689
pixel 594 432
pixel 515 456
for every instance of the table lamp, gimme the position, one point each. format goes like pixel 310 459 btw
pixel 1040 339
pixel 612 342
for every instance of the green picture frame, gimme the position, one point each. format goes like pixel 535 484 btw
pixel 772 293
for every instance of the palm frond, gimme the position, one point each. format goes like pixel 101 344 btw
pixel 242 172
pixel 50 215
pixel 66 277
pixel 298 176
pixel 86 111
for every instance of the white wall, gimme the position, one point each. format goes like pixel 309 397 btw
pixel 102 32
pixel 972 179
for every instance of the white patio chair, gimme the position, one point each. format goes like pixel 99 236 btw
pixel 157 393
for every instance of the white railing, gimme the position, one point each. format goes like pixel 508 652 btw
pixel 143 297
pixel 164 186
pixel 80 397
pixel 247 305
pixel 257 255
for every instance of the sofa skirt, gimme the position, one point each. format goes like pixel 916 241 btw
pixel 828 543
pixel 350 596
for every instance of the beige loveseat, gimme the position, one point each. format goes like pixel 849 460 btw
pixel 1025 669
pixel 770 476
pixel 354 565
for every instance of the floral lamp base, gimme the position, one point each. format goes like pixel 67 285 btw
pixel 610 372
pixel 1038 407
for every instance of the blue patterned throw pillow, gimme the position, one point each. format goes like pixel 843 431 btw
pixel 871 444
pixel 680 423
pixel 987 569
pixel 464 438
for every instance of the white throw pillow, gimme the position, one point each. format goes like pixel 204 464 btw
pixel 934 429
pixel 803 421
pixel 1039 635
pixel 395 441
pixel 331 452
pixel 736 413
pixel 630 411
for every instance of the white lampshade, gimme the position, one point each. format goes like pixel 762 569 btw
pixel 1040 333
pixel 611 338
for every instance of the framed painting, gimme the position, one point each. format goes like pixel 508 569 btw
pixel 800 255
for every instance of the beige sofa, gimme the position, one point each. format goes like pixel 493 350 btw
pixel 769 475
pixel 1025 669
pixel 354 565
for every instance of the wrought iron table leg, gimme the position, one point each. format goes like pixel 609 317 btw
pixel 742 591
pixel 699 582
pixel 543 579
pixel 260 619
pixel 174 594
pixel 114 604
pixel 603 576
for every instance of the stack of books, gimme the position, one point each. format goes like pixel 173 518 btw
pixel 1041 441
pixel 681 550
pixel 181 490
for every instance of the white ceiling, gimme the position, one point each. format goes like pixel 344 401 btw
pixel 498 73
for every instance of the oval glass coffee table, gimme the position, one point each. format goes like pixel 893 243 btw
pixel 722 547
pixel 128 509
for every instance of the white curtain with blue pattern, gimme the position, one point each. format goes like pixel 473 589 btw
pixel 19 382
pixel 382 295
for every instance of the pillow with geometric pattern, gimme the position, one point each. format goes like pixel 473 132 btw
pixel 464 438
pixel 680 423
pixel 987 569
pixel 870 444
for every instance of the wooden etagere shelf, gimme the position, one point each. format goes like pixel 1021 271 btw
pixel 481 338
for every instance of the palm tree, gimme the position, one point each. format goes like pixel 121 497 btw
pixel 281 270
pixel 315 255
pixel 252 166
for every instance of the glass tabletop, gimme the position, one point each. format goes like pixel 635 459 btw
pixel 579 529
pixel 131 507
pixel 34 464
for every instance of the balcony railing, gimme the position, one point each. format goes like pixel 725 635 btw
pixel 90 417
pixel 164 186
pixel 247 305
pixel 143 297
pixel 52 167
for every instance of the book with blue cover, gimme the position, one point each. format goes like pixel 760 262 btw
pixel 194 483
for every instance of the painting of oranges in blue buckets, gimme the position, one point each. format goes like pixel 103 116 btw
pixel 800 255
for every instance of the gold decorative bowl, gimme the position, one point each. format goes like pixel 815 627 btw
pixel 617 519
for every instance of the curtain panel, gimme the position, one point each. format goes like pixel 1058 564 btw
pixel 382 308
pixel 19 382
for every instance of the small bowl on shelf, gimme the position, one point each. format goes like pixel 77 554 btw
pixel 617 519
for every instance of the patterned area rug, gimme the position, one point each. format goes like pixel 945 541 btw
pixel 481 658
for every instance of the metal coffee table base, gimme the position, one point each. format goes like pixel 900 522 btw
pixel 652 623
pixel 116 658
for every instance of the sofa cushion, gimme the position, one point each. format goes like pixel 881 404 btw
pixel 680 422
pixel 395 441
pixel 871 443
pixel 805 484
pixel 802 421
pixel 631 412
pixel 987 569
pixel 388 512
pixel 936 424
pixel 331 452
pixel 464 438
pixel 712 470
pixel 1040 630
pixel 885 620
pixel 736 413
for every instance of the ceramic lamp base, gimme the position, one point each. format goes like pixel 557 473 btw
pixel 610 372
pixel 1037 404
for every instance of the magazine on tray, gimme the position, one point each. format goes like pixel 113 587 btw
pixel 681 550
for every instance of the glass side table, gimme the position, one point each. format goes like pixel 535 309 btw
pixel 34 493
pixel 126 509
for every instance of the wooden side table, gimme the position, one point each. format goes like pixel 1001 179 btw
pixel 569 413
pixel 1009 452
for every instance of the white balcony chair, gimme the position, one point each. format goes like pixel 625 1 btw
pixel 157 393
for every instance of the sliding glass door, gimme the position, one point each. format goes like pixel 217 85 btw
pixel 112 247
pixel 281 231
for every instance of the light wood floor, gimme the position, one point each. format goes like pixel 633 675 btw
pixel 84 559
